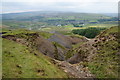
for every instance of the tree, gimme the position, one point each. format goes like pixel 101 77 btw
pixel 88 32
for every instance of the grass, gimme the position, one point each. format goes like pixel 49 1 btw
pixel 69 54
pixel 77 45
pixel 16 31
pixel 101 25
pixel 0 58
pixel 20 61
pixel 105 63
pixel 66 30
pixel 58 45
pixel 22 32
pixel 73 51
pixel 46 35
pixel 111 30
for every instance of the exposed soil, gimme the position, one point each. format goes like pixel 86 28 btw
pixel 73 66
pixel 74 70
pixel 85 52
pixel 47 48
pixel 66 41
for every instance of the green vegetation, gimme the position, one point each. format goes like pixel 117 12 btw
pixel 58 45
pixel 73 51
pixel 23 33
pixel 112 30
pixel 77 25
pixel 45 20
pixel 105 63
pixel 24 62
pixel 69 54
pixel 46 35
pixel 16 31
pixel 22 59
pixel 1 58
pixel 88 32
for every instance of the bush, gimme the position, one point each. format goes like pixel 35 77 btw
pixel 88 32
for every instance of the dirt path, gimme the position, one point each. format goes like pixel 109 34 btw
pixel 87 38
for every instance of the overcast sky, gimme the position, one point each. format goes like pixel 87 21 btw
pixel 90 6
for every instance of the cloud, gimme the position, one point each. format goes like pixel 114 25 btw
pixel 91 6
pixel 60 0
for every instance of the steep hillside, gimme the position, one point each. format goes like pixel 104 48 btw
pixel 77 56
pixel 106 62
pixel 100 55
pixel 52 45
pixel 0 58
pixel 23 51
pixel 20 61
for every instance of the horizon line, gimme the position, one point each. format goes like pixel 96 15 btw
pixel 55 11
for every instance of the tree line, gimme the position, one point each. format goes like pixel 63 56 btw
pixel 88 32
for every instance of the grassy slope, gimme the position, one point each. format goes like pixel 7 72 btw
pixel 0 58
pixel 25 31
pixel 23 62
pixel 73 51
pixel 105 62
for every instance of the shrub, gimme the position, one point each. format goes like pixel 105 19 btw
pixel 88 32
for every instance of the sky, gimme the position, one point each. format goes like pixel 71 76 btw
pixel 86 6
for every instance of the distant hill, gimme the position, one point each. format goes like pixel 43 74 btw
pixel 111 14
pixel 41 19
pixel 47 14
